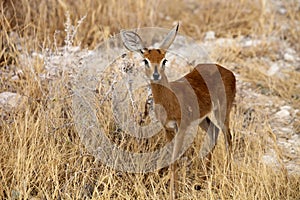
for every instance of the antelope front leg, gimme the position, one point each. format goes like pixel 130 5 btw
pixel 170 133
pixel 173 182
pixel 178 141
pixel 147 108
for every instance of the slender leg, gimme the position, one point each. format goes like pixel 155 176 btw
pixel 170 133
pixel 173 180
pixel 205 124
pixel 228 142
pixel 175 154
pixel 209 142
pixel 145 114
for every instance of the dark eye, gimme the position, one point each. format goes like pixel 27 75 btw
pixel 146 62
pixel 164 62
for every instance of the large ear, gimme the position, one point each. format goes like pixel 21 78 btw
pixel 166 43
pixel 132 41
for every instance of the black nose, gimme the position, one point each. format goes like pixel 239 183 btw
pixel 156 76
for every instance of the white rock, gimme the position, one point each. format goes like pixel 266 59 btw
pixel 38 55
pixel 273 69
pixel 288 57
pixel 282 11
pixel 290 51
pixel 225 41
pixel 293 168
pixel 293 151
pixel 168 18
pixel 285 108
pixel 270 158
pixel 9 100
pixel 286 130
pixel 250 43
pixel 295 138
pixel 15 78
pixel 282 114
pixel 210 35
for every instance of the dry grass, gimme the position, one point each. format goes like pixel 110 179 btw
pixel 41 154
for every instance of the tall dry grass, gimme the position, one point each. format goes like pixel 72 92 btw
pixel 41 154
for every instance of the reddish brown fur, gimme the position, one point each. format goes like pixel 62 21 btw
pixel 155 55
pixel 164 91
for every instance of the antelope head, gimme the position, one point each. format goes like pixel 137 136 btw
pixel 154 59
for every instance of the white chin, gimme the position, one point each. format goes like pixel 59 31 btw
pixel 155 80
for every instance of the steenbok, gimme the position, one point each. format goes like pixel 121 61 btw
pixel 205 94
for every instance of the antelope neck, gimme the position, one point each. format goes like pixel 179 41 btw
pixel 160 89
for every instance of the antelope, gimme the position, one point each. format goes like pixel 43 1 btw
pixel 205 94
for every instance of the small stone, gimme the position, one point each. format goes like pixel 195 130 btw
pixel 295 138
pixel 210 35
pixel 290 51
pixel 292 151
pixel 289 57
pixel 9 100
pixel 270 159
pixel 286 130
pixel 15 78
pixel 250 43
pixel 168 18
pixel 282 114
pixel 273 70
pixel 282 11
pixel 285 108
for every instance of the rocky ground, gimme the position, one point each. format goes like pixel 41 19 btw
pixel 282 117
